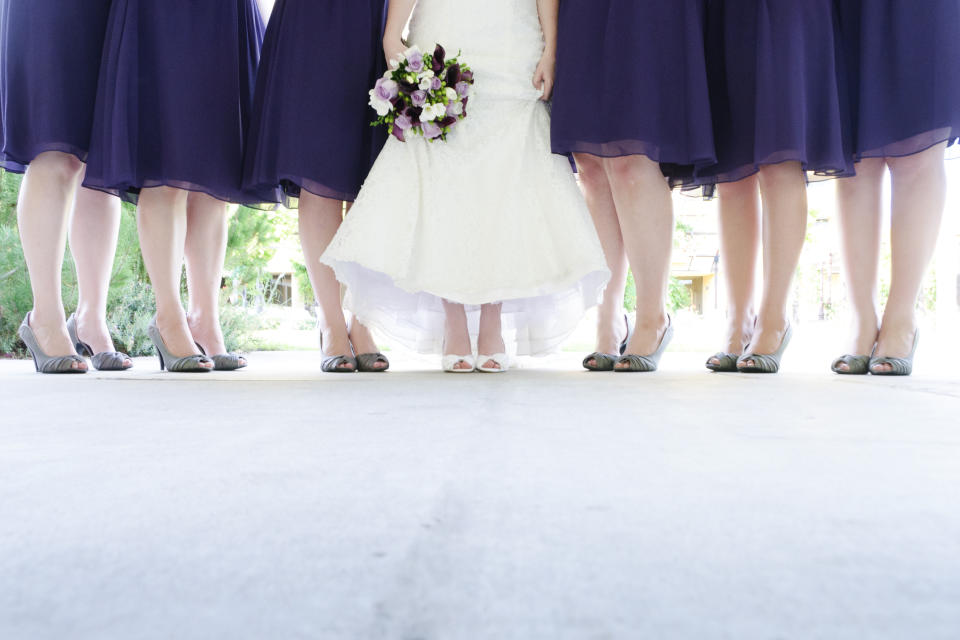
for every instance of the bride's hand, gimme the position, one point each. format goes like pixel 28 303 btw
pixel 544 77
pixel 393 48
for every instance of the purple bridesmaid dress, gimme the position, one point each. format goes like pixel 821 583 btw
pixel 311 123
pixel 49 62
pixel 175 97
pixel 904 57
pixel 776 87
pixel 632 80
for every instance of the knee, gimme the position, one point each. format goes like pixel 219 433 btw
pixel 782 176
pixel 62 167
pixel 631 169
pixel 592 174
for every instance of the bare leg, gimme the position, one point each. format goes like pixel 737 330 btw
pixel 645 210
pixel 784 191
pixel 319 220
pixel 739 251
pixel 860 234
pixel 205 250
pixel 42 211
pixel 94 226
pixel 490 338
pixel 162 224
pixel 919 197
pixel 611 329
pixel 456 338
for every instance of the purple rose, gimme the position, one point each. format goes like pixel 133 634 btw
pixel 431 130
pixel 386 89
pixel 436 84
pixel 403 122
pixel 415 62
pixel 463 89
pixel 419 98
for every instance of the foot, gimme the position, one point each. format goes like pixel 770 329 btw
pixel 207 333
pixel 336 343
pixel 363 342
pixel 739 333
pixel 862 341
pixel 895 341
pixel 94 332
pixel 458 344
pixel 767 338
pixel 490 344
pixel 178 337
pixel 52 335
pixel 612 329
pixel 646 338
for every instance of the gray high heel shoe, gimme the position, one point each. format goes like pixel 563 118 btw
pixel 366 362
pixel 766 362
pixel 856 365
pixel 335 364
pixel 104 361
pixel 899 366
pixel 225 361
pixel 606 361
pixel 41 361
pixel 728 362
pixel 649 363
pixel 168 361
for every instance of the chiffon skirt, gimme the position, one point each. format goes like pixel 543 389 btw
pixel 49 63
pixel 175 97
pixel 777 88
pixel 632 80
pixel 310 127
pixel 904 58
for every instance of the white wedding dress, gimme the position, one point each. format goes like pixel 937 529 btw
pixel 490 215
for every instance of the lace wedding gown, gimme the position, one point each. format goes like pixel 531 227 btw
pixel 487 216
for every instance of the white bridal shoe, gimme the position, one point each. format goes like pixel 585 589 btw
pixel 502 361
pixel 450 364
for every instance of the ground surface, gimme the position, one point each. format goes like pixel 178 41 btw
pixel 544 503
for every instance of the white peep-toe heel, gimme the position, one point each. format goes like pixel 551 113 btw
pixel 502 361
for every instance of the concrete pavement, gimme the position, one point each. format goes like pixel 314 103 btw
pixel 277 502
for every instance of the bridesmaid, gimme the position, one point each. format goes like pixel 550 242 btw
pixel 49 63
pixel 634 125
pixel 905 83
pixel 778 108
pixel 173 105
pixel 310 135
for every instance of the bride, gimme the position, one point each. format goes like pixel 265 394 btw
pixel 485 236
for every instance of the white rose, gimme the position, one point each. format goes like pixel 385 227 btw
pixel 452 94
pixel 426 83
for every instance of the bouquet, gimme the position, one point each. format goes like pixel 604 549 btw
pixel 422 94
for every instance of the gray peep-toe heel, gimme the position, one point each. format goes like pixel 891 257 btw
pixel 336 364
pixel 606 361
pixel 225 361
pixel 366 362
pixel 899 366
pixel 856 365
pixel 103 361
pixel 766 362
pixel 648 363
pixel 170 362
pixel 41 361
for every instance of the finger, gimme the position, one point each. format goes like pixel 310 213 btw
pixel 537 80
